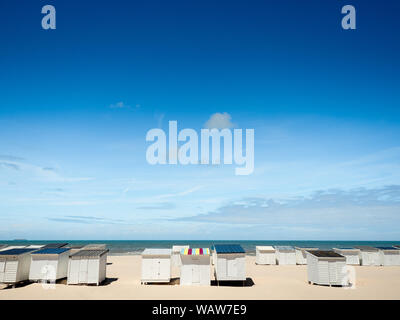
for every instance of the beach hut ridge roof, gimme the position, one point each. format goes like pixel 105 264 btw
pixel 229 248
pixel 55 245
pixel 15 252
pixel 89 253
pixel 51 251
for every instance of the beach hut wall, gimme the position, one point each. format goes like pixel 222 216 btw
pixel 326 268
pixel 369 256
pixel 352 255
pixel 49 264
pixel 87 267
pixel 230 262
pixel 156 265
pixel 389 256
pixel 265 255
pixel 14 265
pixel 176 255
pixel 301 254
pixel 195 268
pixel 285 255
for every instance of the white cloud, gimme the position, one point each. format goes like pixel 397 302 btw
pixel 119 105
pixel 219 121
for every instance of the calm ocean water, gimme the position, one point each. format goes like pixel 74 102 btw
pixel 130 247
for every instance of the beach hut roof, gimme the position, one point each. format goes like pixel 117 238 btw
pixel 306 248
pixel 266 248
pixel 284 248
pixel 229 248
pixel 156 252
pixel 3 246
pixel 15 252
pixel 386 248
pixel 95 246
pixel 397 247
pixel 195 252
pixel 366 248
pixel 89 253
pixel 55 245
pixel 326 254
pixel 51 251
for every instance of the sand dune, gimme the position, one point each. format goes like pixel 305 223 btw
pixel 270 282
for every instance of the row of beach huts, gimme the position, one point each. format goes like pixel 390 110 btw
pixel 52 262
pixel 88 264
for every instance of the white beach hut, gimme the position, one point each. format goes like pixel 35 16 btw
pixel 87 267
pixel 195 268
pixel 326 268
pixel 301 254
pixel 176 255
pixel 389 256
pixel 285 255
pixel 14 265
pixel 369 256
pixel 156 265
pixel 351 255
pixel 265 255
pixel 49 264
pixel 230 262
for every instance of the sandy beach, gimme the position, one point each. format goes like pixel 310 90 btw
pixel 267 282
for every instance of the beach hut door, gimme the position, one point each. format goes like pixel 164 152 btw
pixel 333 276
pixel 195 274
pixel 232 267
pixel 83 270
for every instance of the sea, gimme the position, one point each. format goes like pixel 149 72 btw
pixel 135 247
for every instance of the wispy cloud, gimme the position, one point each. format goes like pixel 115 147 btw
pixel 324 209
pixel 180 194
pixel 123 105
pixel 158 206
pixel 10 165
pixel 10 157
pixel 86 220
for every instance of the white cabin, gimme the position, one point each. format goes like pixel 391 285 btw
pixel 285 255
pixel 14 265
pixel 87 267
pixel 301 254
pixel 156 265
pixel 389 256
pixel 352 255
pixel 49 264
pixel 230 262
pixel 326 268
pixel 369 256
pixel 196 267
pixel 265 255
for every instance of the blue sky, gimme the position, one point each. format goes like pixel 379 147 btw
pixel 76 104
